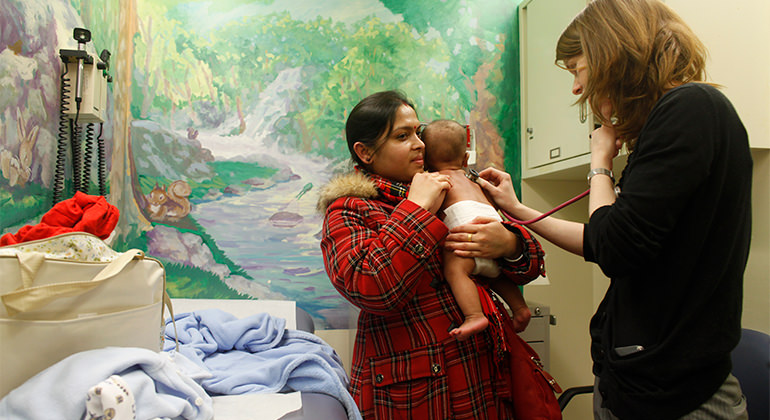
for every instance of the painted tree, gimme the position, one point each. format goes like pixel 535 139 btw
pixel 123 181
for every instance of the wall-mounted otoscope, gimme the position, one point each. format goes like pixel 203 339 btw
pixel 81 36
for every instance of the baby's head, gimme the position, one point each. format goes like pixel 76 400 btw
pixel 445 142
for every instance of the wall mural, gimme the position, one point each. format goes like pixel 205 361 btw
pixel 225 118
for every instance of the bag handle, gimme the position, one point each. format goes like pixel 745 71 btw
pixel 29 298
pixel 29 263
pixel 170 307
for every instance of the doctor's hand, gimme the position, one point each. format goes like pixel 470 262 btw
pixel 605 144
pixel 483 237
pixel 428 190
pixel 499 187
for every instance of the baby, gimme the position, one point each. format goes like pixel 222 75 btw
pixel 445 143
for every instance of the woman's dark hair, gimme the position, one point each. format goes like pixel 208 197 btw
pixel 372 119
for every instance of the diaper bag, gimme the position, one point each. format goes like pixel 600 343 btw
pixel 70 293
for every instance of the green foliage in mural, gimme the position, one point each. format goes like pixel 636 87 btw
pixel 211 75
pixel 19 204
pixel 509 116
pixel 485 20
pixel 166 69
pixel 191 282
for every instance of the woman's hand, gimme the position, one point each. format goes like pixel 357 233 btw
pixel 605 144
pixel 483 237
pixel 499 187
pixel 428 190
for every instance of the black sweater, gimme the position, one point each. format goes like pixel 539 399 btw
pixel 675 245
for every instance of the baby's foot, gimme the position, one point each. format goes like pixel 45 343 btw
pixel 473 324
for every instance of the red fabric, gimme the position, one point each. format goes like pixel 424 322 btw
pixel 384 256
pixel 532 387
pixel 81 213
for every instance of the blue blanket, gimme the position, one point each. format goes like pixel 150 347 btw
pixel 257 354
pixel 164 385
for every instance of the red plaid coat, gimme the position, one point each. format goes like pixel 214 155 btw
pixel 383 254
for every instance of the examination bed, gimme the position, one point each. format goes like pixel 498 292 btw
pixel 312 405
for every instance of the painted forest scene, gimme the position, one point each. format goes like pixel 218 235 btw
pixel 224 119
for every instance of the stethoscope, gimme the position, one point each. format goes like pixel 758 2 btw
pixel 474 176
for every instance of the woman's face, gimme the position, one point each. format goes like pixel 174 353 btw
pixel 578 66
pixel 399 156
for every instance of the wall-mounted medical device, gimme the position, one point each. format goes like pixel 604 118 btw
pixel 84 81
pixel 88 102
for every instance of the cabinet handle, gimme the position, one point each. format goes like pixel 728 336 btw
pixel 555 152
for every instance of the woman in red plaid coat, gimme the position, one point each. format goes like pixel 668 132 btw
pixel 382 250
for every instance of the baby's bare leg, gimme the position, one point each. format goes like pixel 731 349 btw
pixel 457 272
pixel 512 295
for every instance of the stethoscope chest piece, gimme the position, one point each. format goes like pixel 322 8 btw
pixel 472 175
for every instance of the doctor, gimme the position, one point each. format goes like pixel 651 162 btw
pixel 675 240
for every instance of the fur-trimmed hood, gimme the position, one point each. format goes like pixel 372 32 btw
pixel 353 184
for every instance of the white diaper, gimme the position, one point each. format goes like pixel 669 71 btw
pixel 464 212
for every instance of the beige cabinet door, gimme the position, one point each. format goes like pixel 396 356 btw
pixel 551 129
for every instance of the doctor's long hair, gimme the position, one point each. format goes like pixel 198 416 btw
pixel 636 50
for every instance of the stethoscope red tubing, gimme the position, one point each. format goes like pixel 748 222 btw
pixel 473 176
